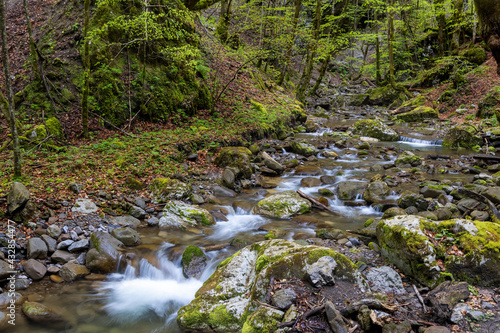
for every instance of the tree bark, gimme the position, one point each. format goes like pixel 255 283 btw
pixel 288 55
pixel 7 105
pixel 86 63
pixel 455 41
pixel 224 20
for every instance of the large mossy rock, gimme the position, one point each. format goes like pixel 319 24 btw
pixel 304 149
pixel 236 157
pixel 351 189
pixel 462 136
pixel 104 253
pixel 283 205
pixel 418 114
pixel 374 128
pixel 178 214
pixel 164 189
pixel 376 192
pixel 225 302
pixel 408 158
pixel 382 96
pixel 342 100
pixel 44 315
pixel 432 252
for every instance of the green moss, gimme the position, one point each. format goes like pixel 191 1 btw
pixel 221 317
pixel 54 127
pixel 189 253
pixel 418 114
pixel 368 223
pixel 226 261
pixel 258 107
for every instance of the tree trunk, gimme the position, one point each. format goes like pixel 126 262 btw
pixel 311 54
pixel 86 65
pixel 7 105
pixel 441 19
pixel 224 20
pixel 322 72
pixel 390 35
pixel 34 54
pixel 288 55
pixel 455 42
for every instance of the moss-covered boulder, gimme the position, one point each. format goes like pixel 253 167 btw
pixel 418 114
pixel 104 253
pixel 304 149
pixel 342 100
pixel 236 157
pixel 408 158
pixel 374 128
pixel 193 261
pixel 376 192
pixel 432 251
pixel 225 302
pixel 44 315
pixel 462 136
pixel 54 127
pixel 178 214
pixel 283 205
pixel 164 189
pixel 382 95
pixel 351 189
pixel 475 55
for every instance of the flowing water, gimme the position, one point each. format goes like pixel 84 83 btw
pixel 145 294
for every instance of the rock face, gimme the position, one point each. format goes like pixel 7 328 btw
pixel 461 136
pixel 104 254
pixel 178 214
pixel 282 205
pixel 236 157
pixel 17 198
pixel 418 114
pixel 225 302
pixel 374 128
pixel 469 253
pixel 164 189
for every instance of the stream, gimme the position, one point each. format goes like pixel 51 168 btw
pixel 144 295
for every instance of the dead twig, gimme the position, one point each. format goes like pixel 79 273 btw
pixel 316 203
pixel 267 305
pixel 419 297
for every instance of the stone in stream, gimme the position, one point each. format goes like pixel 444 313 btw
pixel 237 157
pixel 193 261
pixel 374 128
pixel 493 194
pixel 17 198
pixel 310 182
pixel 272 164
pixel 283 205
pixel 127 236
pixel 178 214
pixel 408 158
pixel 84 206
pixel 404 243
pixel 328 180
pixel 349 190
pixel 418 114
pixel 37 249
pixel 34 269
pixel 304 149
pixel 104 254
pixel 44 315
pixel 221 191
pixel 164 189
pixel 72 271
pixel 462 136
pixel 409 199
pixel 376 192
pixel 228 178
pixel 307 170
pixel 224 303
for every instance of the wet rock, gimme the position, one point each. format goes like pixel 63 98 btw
pixel 72 271
pixel 385 279
pixel 335 318
pixel 193 261
pixel 409 199
pixel 34 269
pixel 325 192
pixel 56 279
pixel 283 205
pixel 283 298
pixel 164 189
pixel 61 256
pixel 237 157
pixel 44 315
pixel 444 214
pixel 78 246
pixel 221 191
pixel 428 215
pixel 37 249
pixel 430 192
pixel 310 182
pixel 461 136
pixel 394 211
pixel 138 212
pixel 307 170
pixel 469 204
pixel 276 233
pixel 245 205
pixel 127 236
pixel 418 114
pixel 228 178
pixel 17 198
pixel 374 128
pixel 376 192
pixel 408 158
pixel 445 296
pixel 272 164
pixel 53 231
pixel 349 190
pixel 321 273
pixel 493 193
pixel 153 221
pixel 328 180
pixel 125 220
pixel 104 254
pixel 304 149
pixel 224 303
pixel 178 214
pixel 84 206
pixel 330 233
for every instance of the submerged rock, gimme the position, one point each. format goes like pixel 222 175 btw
pixel 468 251
pixel 283 205
pixel 44 315
pixel 350 189
pixel 178 214
pixel 374 128
pixel 225 302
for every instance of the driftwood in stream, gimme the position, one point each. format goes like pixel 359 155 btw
pixel 316 203
pixel 486 157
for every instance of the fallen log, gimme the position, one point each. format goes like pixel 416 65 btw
pixel 486 157
pixel 316 203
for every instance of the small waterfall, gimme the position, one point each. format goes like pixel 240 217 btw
pixel 237 222
pixel 419 142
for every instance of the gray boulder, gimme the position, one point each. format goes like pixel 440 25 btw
pixel 127 236
pixel 385 279
pixel 164 189
pixel 84 206
pixel 125 220
pixel 349 189
pixel 37 249
pixel 376 192
pixel 303 148
pixel 61 256
pixel 282 205
pixel 283 298
pixel 78 246
pixel 53 231
pixel 228 178
pixel 374 128
pixel 272 164
pixel 236 157
pixel 17 198
pixel 34 269
pixel 193 261
pixel 178 214
pixel 321 273
pixel 138 212
pixel 104 254
pixel 72 271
